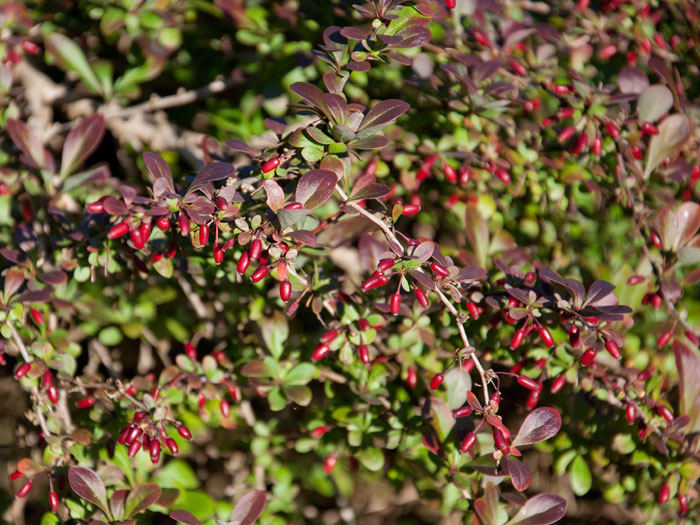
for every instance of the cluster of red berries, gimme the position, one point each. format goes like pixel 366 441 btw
pixel 141 434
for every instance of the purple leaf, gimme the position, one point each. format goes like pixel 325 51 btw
pixel 413 35
pixel 82 140
pixel 211 173
pixel 371 191
pixel 240 146
pixel 356 32
pixel 35 296
pixel 539 425
pixel 142 497
pixel 471 273
pixel 374 142
pixel 384 113
pixel 310 94
pixel 275 195
pixel 487 507
pixel 599 290
pixel 632 80
pixel 424 251
pixel 88 485
pixel 337 107
pixel 25 139
pixel 249 507
pixel 14 279
pixel 334 164
pixel 315 187
pixel 688 365
pixel 520 475
pixel 542 509
pixel 114 206
pixel 157 167
pixel 116 504
pixel 303 236
pixel 182 516
pixel 56 278
pixel 13 255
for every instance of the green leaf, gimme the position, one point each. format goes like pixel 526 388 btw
pixel 301 374
pixel 276 400
pixel 371 458
pixel 580 476
pixel 110 336
pixel 177 474
pixel 275 331
pixel 71 58
pixel 301 395
pixel 164 267
pixel 457 383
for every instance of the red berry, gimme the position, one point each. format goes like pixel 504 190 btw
pixel 52 394
pixel 172 250
pixel 132 435
pixel 16 475
pixel 225 408
pixel 518 68
pixel 581 144
pixel 587 357
pixel 293 206
pixel 503 176
pixel 436 381
pixel 145 230
pixel 363 324
pixel 134 449
pixel 657 301
pixel 566 134
pixel 385 264
pixel 410 209
pixel 565 113
pixel 53 501
pixel 371 167
pixel 411 377
pixel 613 130
pixel 136 239
pixel 30 47
pixel 270 165
pixel 190 350
pixel 574 336
pixel 464 176
pixel 597 146
pixel 664 493
pixel 319 431
pixel 285 290
pixel 184 432
pixel 375 281
pixel 481 37
pixel 243 262
pixel 664 339
pixel 172 446
pixel 613 349
pixel 439 270
pixel 473 310
pixel 517 339
pixel 329 336
pixel 118 230
pixel 656 240
pixel 451 4
pixel 163 223
pixel 255 249
pixel 204 234
pixel 630 414
pixel 533 399
pixel 330 463
pixel 499 441
pixel 95 207
pixel 450 173
pixel 22 370
pixel 24 489
pixel 562 90
pixel 558 384
pixel 218 253
pixel 363 352
pixel 649 128
pixel 467 442
pixel 183 223
pixel 395 303
pixel 463 412
pixel 154 450
pixel 607 51
pixel 528 383
pixel 665 413
pixel 421 297
pixel 320 352
pixel 683 503
pixel 546 336
pixel 221 203
pixel 86 402
pixel 37 316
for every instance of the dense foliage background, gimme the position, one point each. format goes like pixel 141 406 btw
pixel 344 262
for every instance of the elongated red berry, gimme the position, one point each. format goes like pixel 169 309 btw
pixel 440 270
pixel 664 493
pixel 574 336
pixel 225 408
pixel 558 384
pixel 683 503
pixel 319 431
pixel 22 370
pixel 86 402
pixel 421 297
pixel 172 446
pixel 154 451
pixel 533 399
pixel 285 290
pixel 136 238
pixel 218 253
pixel 52 394
pixel 630 413
pixel 468 442
pixel 255 249
pixel 145 230
pixel 649 128
pixel 374 281
pixel 395 303
pixel 664 339
pixel 450 173
pixel 665 413
pixel 463 411
pixel 581 144
pixel 183 223
pixel 330 463
pixel 546 336
pixel 587 357
pixel 451 4
pixel 613 349
pixel 410 209
pixel 54 501
pixel 499 441
pixel 118 230
pixel 204 234
pixel 184 432
pixel 385 264
pixel 436 381
pixel 473 310
pixel 294 206
pixel 528 383
pixel 243 262
pixel 134 449
pixel 163 223
pixel 363 352
pixel 329 336
pixel 517 339
pixel 24 489
pixel 320 352
pixel 16 475
pixel 190 350
pixel 503 176
pixel 95 207
pixel 411 377
pixel 37 316
pixel 259 274
pixel 613 130
pixel 597 146
pixel 270 165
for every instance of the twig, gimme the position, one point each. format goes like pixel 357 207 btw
pixel 194 299
pixel 460 325
pixel 35 391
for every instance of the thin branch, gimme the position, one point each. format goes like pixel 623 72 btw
pixel 460 325
pixel 35 391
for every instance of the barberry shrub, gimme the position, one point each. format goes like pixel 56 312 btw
pixel 378 262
